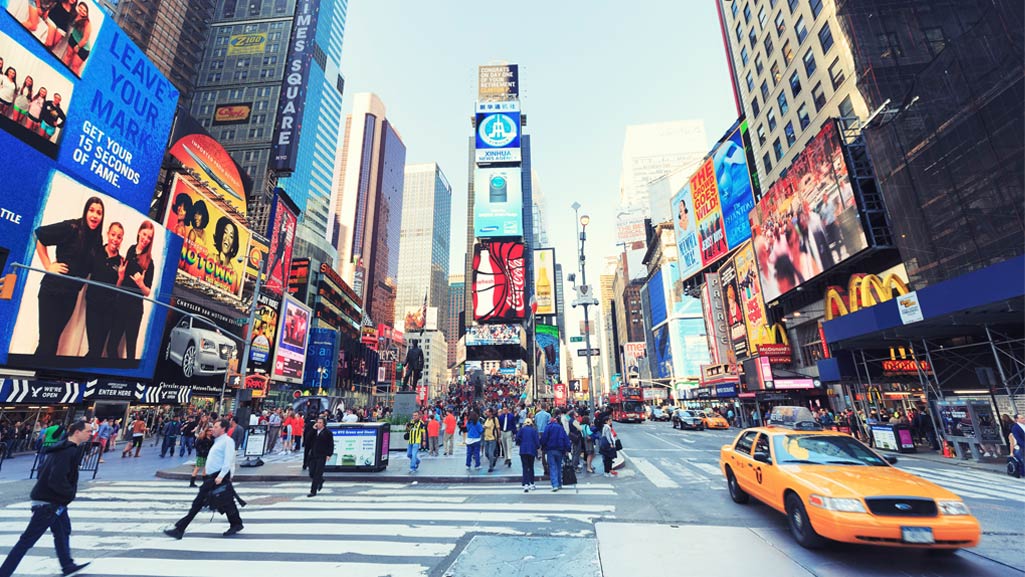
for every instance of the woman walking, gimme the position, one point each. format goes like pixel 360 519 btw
pixel 474 432
pixel 589 435
pixel 607 444
pixel 203 443
pixel 492 432
pixel 528 440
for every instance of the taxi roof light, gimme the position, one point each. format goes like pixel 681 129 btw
pixel 797 418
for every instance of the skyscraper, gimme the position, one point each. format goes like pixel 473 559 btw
pixel 367 206
pixel 456 300
pixel 238 98
pixel 424 243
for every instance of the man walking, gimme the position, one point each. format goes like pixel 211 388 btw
pixel 323 447
pixel 433 432
pixel 415 433
pixel 54 490
pixel 1017 441
pixel 450 432
pixel 219 464
pixel 103 435
pixel 171 430
pixel 189 436
pixel 507 420
pixel 556 444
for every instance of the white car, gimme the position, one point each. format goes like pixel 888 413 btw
pixel 198 350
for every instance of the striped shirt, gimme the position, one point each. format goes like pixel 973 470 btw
pixel 416 431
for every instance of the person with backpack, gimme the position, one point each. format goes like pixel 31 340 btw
pixel 576 439
pixel 607 447
pixel 590 440
pixel 528 440
pixel 556 444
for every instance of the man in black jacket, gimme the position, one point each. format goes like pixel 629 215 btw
pixel 414 367
pixel 323 447
pixel 54 490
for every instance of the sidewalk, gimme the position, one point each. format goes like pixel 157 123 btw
pixel 994 465
pixel 114 468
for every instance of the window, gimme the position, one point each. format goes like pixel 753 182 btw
pixel 818 97
pixel 846 108
pixel 734 8
pixel 762 445
pixel 777 149
pixel 750 82
pixel 765 91
pixel 752 38
pixel 768 44
pixel 745 443
pixel 809 62
pixel 780 25
pixel 836 73
pixel 816 7
pixel 739 31
pixel 792 4
pixel 758 65
pixel 935 40
pixel 743 55
pixel 826 38
pixel 761 135
pixel 770 115
pixel 747 13
pixel 802 116
pixel 795 84
pixel 788 130
pixel 763 17
pixel 766 163
pixel 755 108
pixel 801 30
pixel 889 46
pixel 784 106
pixel 776 74
pixel 788 53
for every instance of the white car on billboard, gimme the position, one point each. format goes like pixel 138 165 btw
pixel 198 350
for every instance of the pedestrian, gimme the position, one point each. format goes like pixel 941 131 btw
pixel 138 433
pixel 308 433
pixel 541 420
pixel 54 490
pixel 474 432
pixel 433 432
pixel 274 430
pixel 450 432
pixel 528 441
pixel 508 421
pixel 204 440
pixel 323 447
pixel 1017 442
pixel 607 447
pixel 189 436
pixel 576 439
pixel 172 428
pixel 556 444
pixel 219 465
pixel 589 437
pixel 414 435
pixel 103 435
pixel 492 432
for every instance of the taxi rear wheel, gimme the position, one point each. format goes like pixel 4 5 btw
pixel 736 493
pixel 800 525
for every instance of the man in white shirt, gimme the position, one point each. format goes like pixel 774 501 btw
pixel 350 417
pixel 254 419
pixel 220 463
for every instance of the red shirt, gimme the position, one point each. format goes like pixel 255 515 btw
pixel 433 428
pixel 450 424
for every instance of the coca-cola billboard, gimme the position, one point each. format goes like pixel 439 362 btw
pixel 499 282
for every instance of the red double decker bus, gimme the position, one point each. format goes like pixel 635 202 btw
pixel 627 405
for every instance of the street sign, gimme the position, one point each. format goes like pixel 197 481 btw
pixel 583 352
pixel 389 355
pixel 576 339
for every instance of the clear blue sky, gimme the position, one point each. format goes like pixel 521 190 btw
pixel 587 70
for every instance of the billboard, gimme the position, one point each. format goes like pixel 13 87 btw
pixel 547 337
pixel 216 245
pixel 685 226
pixel 194 353
pixel 734 309
pixel 498 133
pixel 232 113
pixel 690 347
pixel 808 221
pixel 322 359
pixel 657 298
pixel 662 360
pixel 282 225
pixel 634 353
pixel 258 250
pixel 750 294
pixel 545 286
pixel 497 202
pixel 61 323
pixel 736 194
pixel 293 333
pixel 209 163
pixel 499 82
pixel 264 334
pixel 292 102
pixel 499 282
pixel 708 214
pixel 482 335
pixel 720 346
pixel 247 44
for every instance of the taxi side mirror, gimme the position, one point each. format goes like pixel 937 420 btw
pixel 762 457
pixel 890 459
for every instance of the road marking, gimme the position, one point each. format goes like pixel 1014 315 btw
pixel 657 477
pixel 670 443
pixel 207 544
pixel 710 469
pixel 218 568
pixel 966 485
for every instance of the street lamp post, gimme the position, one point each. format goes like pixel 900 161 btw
pixel 584 221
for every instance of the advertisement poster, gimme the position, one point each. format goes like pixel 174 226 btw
pixel 750 294
pixel 258 250
pixel 690 347
pixel 282 227
pixel 245 44
pixel 216 245
pixel 560 394
pixel 657 296
pixel 686 232
pixel 354 447
pixel 719 343
pixel 499 282
pixel 498 132
pixel 62 323
pixel 233 113
pixel 322 359
pixel 545 286
pixel 634 353
pixel 211 164
pixel 194 353
pixel 548 341
pixel 711 236
pixel 264 334
pixel 499 82
pixel 482 335
pixel 293 332
pixel 956 420
pixel 292 101
pixel 498 202
pixel 807 222
pixel 736 195
pixel 662 367
pixel 734 310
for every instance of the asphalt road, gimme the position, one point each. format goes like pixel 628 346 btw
pixel 672 478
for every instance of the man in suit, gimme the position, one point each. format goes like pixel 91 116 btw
pixel 414 366
pixel 323 446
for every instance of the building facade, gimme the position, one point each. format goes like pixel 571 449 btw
pixel 424 243
pixel 453 327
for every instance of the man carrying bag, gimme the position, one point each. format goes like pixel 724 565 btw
pixel 323 447
pixel 216 490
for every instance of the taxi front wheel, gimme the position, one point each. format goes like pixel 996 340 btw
pixel 800 525
pixel 736 493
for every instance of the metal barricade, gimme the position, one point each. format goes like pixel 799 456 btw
pixel 40 458
pixel 92 453
pixel 4 447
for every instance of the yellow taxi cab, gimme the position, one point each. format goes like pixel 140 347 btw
pixel 831 486
pixel 712 420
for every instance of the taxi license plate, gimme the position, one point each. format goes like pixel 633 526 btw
pixel 917 535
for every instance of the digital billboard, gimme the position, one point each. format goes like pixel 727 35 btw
pixel 497 202
pixel 662 360
pixel 499 282
pixel 736 194
pixel 482 335
pixel 208 162
pixel 498 132
pixel 292 101
pixel 707 212
pixel 690 346
pixel 547 337
pixel 258 250
pixel 734 309
pixel 293 333
pixel 264 334
pixel 750 296
pixel 82 233
pixel 321 359
pixel 195 353
pixel 216 245
pixel 545 287
pixel 657 296
pixel 808 221
pixel 498 82
pixel 282 225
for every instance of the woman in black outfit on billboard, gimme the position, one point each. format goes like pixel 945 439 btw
pixel 99 302
pixel 136 275
pixel 77 242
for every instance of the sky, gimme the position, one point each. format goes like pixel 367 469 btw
pixel 587 70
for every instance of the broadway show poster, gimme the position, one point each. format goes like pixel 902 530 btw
pixel 211 164
pixel 282 225
pixel 216 244
pixel 685 226
pixel 711 236
pixel 736 195
pixel 734 309
pixel 64 324
pixel 499 282
pixel 264 335
pixel 750 293
pixel 293 331
pixel 662 367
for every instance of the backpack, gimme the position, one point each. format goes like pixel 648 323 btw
pixel 575 436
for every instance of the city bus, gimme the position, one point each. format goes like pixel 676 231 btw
pixel 627 405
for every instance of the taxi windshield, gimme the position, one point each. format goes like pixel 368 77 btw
pixel 824 450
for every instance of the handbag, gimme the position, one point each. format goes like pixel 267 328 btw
pixel 220 497
pixel 619 444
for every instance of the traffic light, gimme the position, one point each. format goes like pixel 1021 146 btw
pixel 7 284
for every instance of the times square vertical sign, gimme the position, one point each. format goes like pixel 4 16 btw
pixel 292 102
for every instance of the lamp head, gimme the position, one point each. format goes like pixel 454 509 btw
pixel 585 220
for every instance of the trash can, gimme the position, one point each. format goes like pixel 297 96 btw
pixel 359 447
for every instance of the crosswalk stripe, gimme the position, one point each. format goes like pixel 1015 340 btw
pixel 707 468
pixel 968 486
pixel 218 568
pixel 322 529
pixel 656 476
pixel 188 496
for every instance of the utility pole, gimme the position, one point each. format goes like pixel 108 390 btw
pixel 586 300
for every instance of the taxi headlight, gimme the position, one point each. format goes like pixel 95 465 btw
pixel 953 507
pixel 835 504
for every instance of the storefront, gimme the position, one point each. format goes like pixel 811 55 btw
pixel 36 401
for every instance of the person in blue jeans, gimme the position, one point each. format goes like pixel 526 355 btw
pixel 528 440
pixel 556 444
pixel 474 432
pixel 416 432
pixel 171 431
